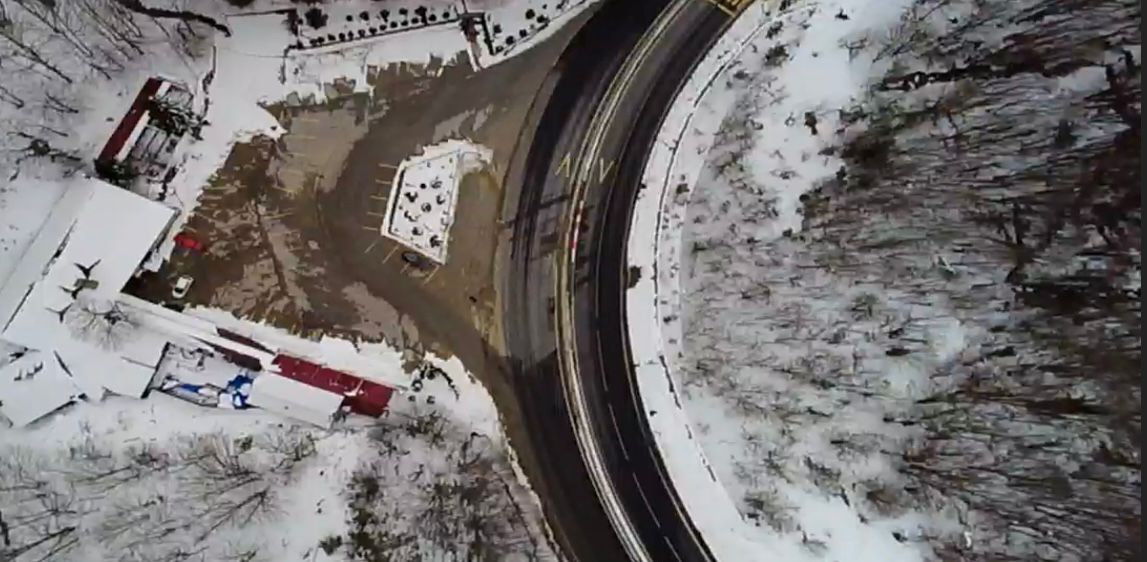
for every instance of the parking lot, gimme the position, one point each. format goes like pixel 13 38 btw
pixel 291 228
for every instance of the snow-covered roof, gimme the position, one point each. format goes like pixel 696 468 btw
pixel 30 266
pixel 294 399
pixel 93 222
pixel 373 362
pixel 109 231
pixel 420 209
pixel 34 386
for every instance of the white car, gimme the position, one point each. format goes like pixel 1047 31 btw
pixel 182 285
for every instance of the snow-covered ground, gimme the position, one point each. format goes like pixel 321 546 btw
pixel 812 352
pixel 420 209
pixel 354 21
pixel 514 25
pixel 147 479
pixel 500 28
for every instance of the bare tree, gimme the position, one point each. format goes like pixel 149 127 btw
pixel 461 502
pixel 102 322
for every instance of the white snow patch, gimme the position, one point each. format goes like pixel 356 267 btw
pixel 516 25
pixel 358 21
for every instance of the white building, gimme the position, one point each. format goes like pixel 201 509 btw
pixel 33 386
pixel 61 298
pixel 68 332
pixel 294 399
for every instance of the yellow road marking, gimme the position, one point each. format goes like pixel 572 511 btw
pixel 388 166
pixel 371 246
pixel 730 7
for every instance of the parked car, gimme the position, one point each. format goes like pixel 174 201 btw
pixel 182 285
pixel 185 240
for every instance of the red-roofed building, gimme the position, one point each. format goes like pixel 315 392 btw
pixel 144 142
pixel 362 396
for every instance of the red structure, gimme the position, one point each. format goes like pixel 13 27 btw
pixel 185 240
pixel 362 396
pixel 130 120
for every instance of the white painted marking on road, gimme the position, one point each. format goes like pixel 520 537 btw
pixel 390 253
pixel 431 276
pixel 645 499
pixel 617 432
pixel 676 556
pixel 590 448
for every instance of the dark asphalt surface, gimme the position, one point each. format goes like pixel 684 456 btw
pixel 580 80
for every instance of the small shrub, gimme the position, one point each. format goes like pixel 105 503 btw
pixel 330 544
pixel 315 18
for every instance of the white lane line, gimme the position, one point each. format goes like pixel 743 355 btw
pixel 391 253
pixel 648 507
pixel 568 363
pixel 676 556
pixel 617 432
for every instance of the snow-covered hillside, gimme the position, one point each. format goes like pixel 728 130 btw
pixel 909 276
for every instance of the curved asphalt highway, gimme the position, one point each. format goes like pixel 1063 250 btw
pixel 598 125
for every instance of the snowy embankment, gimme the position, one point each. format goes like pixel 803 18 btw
pixel 771 88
